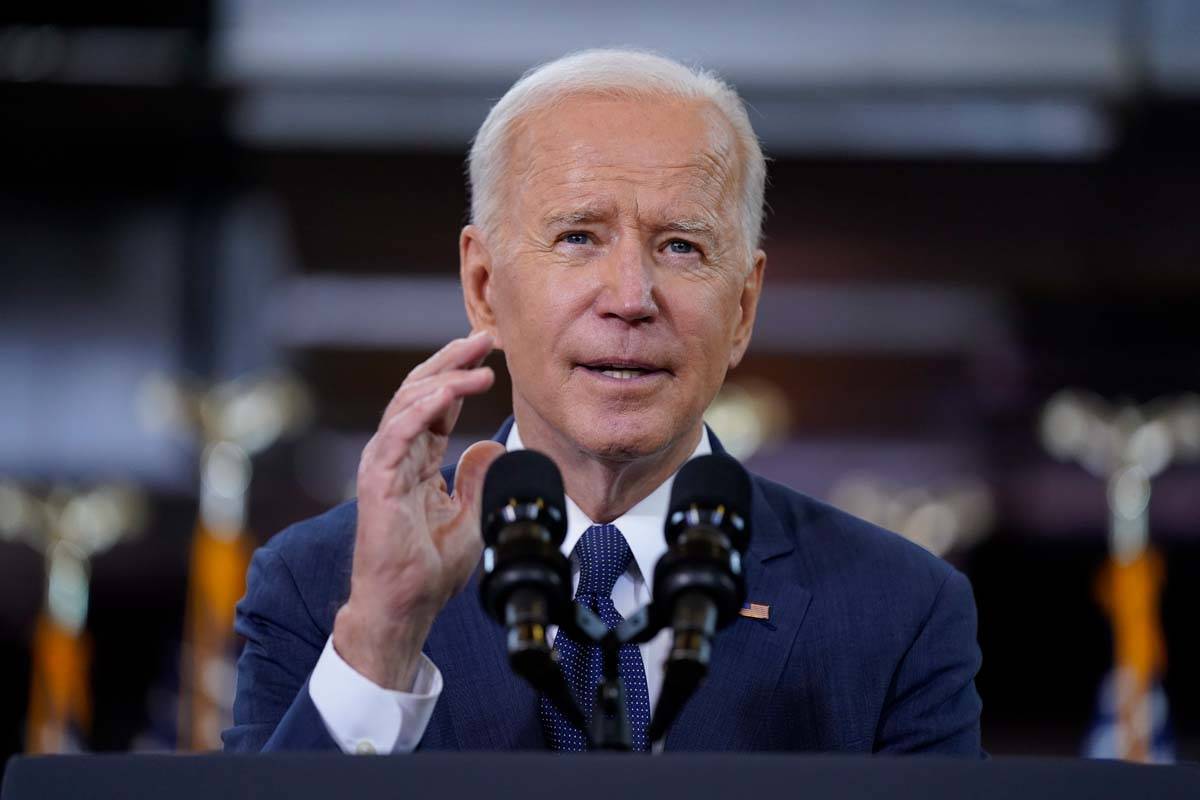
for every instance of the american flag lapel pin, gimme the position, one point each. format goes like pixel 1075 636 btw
pixel 756 611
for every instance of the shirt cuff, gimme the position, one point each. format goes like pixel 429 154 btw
pixel 363 717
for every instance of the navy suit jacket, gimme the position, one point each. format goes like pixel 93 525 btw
pixel 870 646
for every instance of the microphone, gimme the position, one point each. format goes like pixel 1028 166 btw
pixel 526 583
pixel 699 584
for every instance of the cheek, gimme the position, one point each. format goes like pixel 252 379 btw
pixel 535 308
pixel 705 323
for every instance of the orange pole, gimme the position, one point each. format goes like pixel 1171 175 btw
pixel 60 704
pixel 216 582
pixel 1129 594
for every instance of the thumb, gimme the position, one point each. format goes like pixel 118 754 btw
pixel 461 547
pixel 471 471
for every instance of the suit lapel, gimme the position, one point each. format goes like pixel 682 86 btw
pixel 748 656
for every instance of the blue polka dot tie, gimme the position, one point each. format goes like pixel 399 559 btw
pixel 603 556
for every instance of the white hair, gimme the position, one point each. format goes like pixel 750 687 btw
pixel 614 73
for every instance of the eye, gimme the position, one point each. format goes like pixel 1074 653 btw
pixel 576 237
pixel 680 247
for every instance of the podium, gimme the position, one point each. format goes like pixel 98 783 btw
pixel 548 776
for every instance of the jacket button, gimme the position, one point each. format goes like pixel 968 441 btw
pixel 365 748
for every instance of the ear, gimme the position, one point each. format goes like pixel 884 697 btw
pixel 748 308
pixel 475 269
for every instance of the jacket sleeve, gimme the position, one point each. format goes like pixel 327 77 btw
pixel 932 705
pixel 272 709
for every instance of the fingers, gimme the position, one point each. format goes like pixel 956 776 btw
pixel 465 353
pixel 428 401
pixel 462 382
pixel 459 354
pixel 435 411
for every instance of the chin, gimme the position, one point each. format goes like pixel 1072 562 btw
pixel 625 436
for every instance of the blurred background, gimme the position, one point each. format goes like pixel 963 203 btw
pixel 229 229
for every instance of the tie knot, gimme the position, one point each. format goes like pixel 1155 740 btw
pixel 603 556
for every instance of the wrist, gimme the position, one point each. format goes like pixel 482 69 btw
pixel 384 649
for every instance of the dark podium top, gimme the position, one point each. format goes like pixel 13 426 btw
pixel 542 776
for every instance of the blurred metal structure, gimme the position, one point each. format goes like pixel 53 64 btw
pixel 1127 445
pixel 748 414
pixel 942 517
pixel 68 527
pixel 232 421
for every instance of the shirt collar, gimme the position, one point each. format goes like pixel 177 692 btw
pixel 641 525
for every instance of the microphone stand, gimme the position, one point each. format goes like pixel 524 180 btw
pixel 610 728
pixel 610 711
pixel 610 708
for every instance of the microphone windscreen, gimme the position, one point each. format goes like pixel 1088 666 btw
pixel 711 481
pixel 525 476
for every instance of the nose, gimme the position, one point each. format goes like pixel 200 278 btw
pixel 627 292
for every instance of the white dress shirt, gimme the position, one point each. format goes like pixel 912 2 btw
pixel 363 717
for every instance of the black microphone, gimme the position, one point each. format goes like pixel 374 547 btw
pixel 699 585
pixel 526 583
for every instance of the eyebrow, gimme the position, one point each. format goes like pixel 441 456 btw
pixel 697 227
pixel 579 216
pixel 592 214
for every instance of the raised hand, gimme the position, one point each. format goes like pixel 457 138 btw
pixel 416 544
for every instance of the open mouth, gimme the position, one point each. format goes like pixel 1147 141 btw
pixel 622 370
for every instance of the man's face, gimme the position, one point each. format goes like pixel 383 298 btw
pixel 620 285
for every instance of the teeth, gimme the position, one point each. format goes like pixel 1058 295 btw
pixel 622 374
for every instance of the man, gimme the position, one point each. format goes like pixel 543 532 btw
pixel 613 257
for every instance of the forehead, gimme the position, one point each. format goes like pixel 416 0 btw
pixel 660 155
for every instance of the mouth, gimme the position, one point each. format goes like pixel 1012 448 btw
pixel 623 369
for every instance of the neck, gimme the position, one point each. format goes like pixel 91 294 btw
pixel 604 488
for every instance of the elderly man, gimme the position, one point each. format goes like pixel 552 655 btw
pixel 613 257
